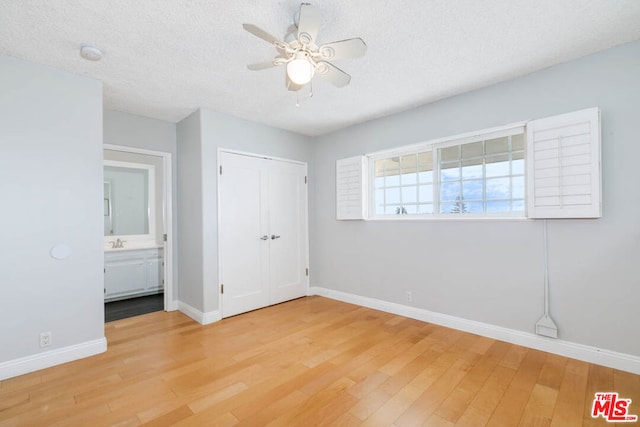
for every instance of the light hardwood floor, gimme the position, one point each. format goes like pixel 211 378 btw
pixel 312 361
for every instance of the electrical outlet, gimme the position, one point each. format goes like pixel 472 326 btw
pixel 409 296
pixel 45 339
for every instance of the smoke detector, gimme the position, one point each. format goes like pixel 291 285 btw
pixel 91 53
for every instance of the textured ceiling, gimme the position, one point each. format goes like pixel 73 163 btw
pixel 164 59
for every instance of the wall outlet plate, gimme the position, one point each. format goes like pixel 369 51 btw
pixel 409 296
pixel 45 339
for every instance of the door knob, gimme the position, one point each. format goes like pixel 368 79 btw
pixel 274 237
pixel 265 237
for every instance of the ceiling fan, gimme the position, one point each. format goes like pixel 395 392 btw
pixel 302 55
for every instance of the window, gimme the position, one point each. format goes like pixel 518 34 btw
pixel 482 175
pixel 404 184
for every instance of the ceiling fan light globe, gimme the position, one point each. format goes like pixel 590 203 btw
pixel 300 71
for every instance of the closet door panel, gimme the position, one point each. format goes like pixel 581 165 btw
pixel 243 248
pixel 288 228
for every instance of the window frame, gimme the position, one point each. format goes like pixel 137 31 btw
pixel 433 146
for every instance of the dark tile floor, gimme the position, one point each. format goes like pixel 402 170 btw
pixel 117 310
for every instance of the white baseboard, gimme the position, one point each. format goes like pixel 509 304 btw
pixel 199 316
pixel 172 305
pixel 611 359
pixel 47 359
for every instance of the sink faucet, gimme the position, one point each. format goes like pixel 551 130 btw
pixel 117 244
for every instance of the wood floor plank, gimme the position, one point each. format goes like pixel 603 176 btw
pixel 515 398
pixel 170 418
pixel 459 400
pixel 571 396
pixel 368 384
pixel 432 396
pixel 267 413
pixel 552 371
pixel 486 400
pixel 539 408
pixel 600 380
pixel 311 361
pixel 370 403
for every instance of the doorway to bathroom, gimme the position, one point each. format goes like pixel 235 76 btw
pixel 137 232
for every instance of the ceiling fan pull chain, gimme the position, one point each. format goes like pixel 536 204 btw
pixel 297 99
pixel 311 89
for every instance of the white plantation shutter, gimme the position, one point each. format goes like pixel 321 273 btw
pixel 351 188
pixel 563 166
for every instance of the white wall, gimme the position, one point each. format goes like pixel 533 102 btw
pixel 51 187
pixel 491 271
pixel 198 173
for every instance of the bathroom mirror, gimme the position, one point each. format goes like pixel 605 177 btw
pixel 129 200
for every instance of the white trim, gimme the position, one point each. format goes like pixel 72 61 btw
pixel 515 216
pixel 259 156
pixel 611 359
pixel 463 137
pixel 197 315
pixel 135 150
pixel 35 362
pixel 169 303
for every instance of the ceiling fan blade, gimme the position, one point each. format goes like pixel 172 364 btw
pixel 260 33
pixel 332 74
pixel 308 23
pixel 291 32
pixel 343 49
pixel 261 65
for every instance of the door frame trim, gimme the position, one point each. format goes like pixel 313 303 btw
pixel 218 211
pixel 169 303
pixel 259 156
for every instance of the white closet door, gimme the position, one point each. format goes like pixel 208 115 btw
pixel 288 231
pixel 244 249
pixel 262 232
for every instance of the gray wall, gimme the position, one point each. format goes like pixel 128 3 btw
pixel 198 173
pixel 139 132
pixel 492 271
pixel 189 209
pixel 51 187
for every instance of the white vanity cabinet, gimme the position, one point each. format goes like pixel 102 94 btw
pixel 130 273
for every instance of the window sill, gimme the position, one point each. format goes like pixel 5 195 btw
pixel 448 218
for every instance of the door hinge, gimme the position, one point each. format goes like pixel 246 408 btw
pixel 305 179
pixel 220 169
pixel 163 281
pixel 307 271
pixel 222 288
pixel 164 237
